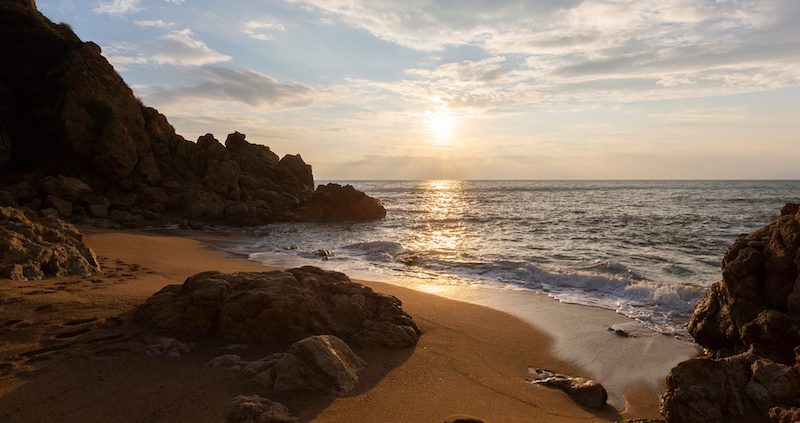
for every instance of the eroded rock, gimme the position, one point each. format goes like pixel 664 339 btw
pixel 585 392
pixel 37 247
pixel 280 307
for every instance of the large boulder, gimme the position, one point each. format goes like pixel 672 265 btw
pixel 37 247
pixel 749 323
pixel 280 306
pixel 334 202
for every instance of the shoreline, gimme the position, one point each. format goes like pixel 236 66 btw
pixel 467 351
pixel 576 329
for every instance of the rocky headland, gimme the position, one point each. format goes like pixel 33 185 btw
pixel 75 139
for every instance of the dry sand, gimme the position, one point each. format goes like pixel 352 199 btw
pixel 70 352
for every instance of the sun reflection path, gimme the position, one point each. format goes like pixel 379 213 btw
pixel 445 232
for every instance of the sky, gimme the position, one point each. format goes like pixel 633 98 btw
pixel 470 89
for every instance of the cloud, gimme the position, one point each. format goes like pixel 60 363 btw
pixel 118 7
pixel 235 86
pixel 262 29
pixel 176 1
pixel 180 47
pixel 154 24
pixel 176 47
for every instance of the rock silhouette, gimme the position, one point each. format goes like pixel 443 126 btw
pixel 66 114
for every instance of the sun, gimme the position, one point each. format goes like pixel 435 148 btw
pixel 442 125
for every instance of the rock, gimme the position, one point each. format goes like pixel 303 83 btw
pixel 251 368
pixel 759 274
pixel 462 418
pixel 785 415
pixel 168 347
pixel 268 307
pixel 334 202
pixel 318 363
pixel 585 392
pixel 749 323
pixel 33 247
pixel 66 111
pixel 256 409
pixel 709 390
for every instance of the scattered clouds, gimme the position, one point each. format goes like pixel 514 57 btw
pixel 235 86
pixel 262 29
pixel 180 47
pixel 154 24
pixel 118 7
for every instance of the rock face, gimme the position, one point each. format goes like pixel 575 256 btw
pixel 334 202
pixel 41 246
pixel 318 363
pixel 256 409
pixel 65 114
pixel 280 307
pixel 585 392
pixel 750 325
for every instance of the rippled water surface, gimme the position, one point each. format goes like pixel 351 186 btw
pixel 644 248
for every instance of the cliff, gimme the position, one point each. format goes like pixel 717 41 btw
pixel 74 138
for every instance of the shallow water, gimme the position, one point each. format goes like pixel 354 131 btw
pixel 646 249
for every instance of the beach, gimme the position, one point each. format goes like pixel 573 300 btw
pixel 71 352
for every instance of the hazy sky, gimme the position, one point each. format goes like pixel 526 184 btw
pixel 502 89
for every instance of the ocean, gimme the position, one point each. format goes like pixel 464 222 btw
pixel 646 249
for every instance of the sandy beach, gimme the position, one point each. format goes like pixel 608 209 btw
pixel 69 351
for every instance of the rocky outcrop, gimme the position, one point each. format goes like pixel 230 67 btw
pixel 585 392
pixel 65 114
pixel 749 323
pixel 280 307
pixel 321 363
pixel 757 302
pixel 256 409
pixel 333 202
pixel 40 246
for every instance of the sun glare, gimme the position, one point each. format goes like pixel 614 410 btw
pixel 442 126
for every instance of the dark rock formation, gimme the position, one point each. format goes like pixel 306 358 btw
pixel 750 325
pixel 585 392
pixel 335 202
pixel 65 114
pixel 757 303
pixel 40 246
pixel 256 409
pixel 280 307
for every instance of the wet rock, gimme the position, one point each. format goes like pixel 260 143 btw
pixel 334 202
pixel 37 247
pixel 585 392
pixel 280 307
pixel 256 409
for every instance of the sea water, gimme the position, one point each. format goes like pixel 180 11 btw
pixel 646 249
